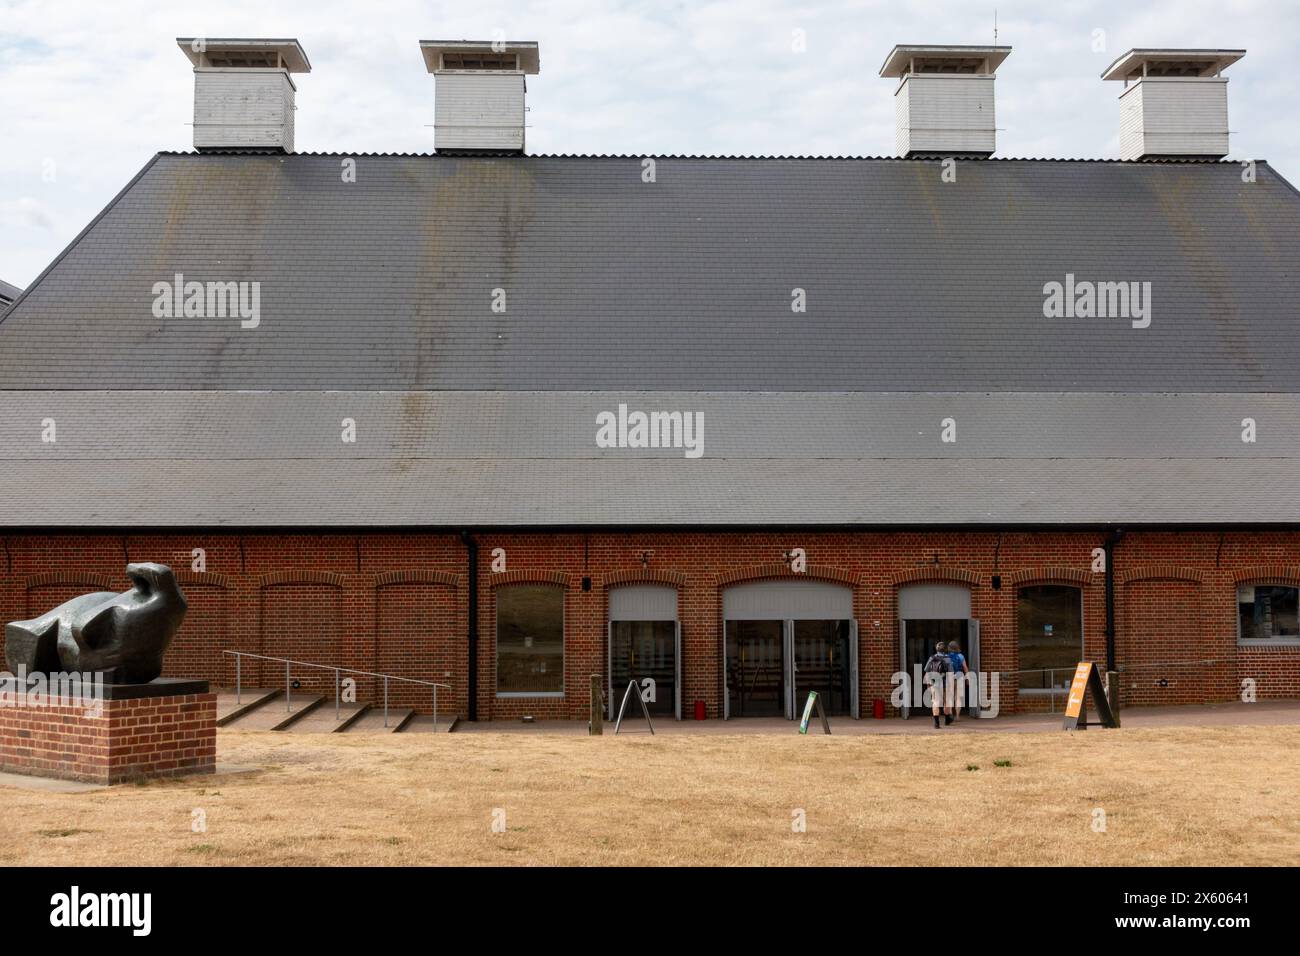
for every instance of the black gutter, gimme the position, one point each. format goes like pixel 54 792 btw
pixel 471 562
pixel 1108 546
pixel 841 528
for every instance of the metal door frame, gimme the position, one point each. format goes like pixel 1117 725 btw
pixel 726 686
pixel 906 709
pixel 787 666
pixel 855 703
pixel 677 669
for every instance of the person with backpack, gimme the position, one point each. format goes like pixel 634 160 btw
pixel 939 664
pixel 959 670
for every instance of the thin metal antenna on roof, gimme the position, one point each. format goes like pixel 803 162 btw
pixel 995 26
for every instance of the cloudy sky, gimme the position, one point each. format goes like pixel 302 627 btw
pixel 89 89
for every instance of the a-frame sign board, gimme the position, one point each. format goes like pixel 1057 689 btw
pixel 814 700
pixel 1087 678
pixel 633 691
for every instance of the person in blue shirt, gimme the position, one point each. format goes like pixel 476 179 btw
pixel 959 670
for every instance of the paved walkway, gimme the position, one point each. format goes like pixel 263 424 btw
pixel 1229 714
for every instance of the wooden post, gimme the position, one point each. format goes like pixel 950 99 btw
pixel 596 727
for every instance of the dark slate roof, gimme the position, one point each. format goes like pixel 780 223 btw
pixel 924 303
pixel 912 284
pixel 442 459
pixel 146 426
pixel 670 493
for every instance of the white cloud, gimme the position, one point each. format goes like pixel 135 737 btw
pixel 25 213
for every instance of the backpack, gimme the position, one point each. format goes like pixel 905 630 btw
pixel 938 664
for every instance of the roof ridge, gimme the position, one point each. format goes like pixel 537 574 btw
pixel 730 157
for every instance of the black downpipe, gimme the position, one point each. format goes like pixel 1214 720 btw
pixel 471 558
pixel 1108 547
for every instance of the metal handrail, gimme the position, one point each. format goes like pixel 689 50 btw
pixel 338 671
pixel 1148 665
pixel 1052 691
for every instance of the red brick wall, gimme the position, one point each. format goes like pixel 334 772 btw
pixel 196 649
pixel 397 603
pixel 420 634
pixel 296 616
pixel 125 740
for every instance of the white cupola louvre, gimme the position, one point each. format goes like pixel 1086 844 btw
pixel 1174 104
pixel 944 101
pixel 243 94
pixel 479 93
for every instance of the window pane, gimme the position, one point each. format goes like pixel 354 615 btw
pixel 1268 611
pixel 1049 620
pixel 530 639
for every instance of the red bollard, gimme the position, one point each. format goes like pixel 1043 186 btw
pixel 878 709
pixel 699 710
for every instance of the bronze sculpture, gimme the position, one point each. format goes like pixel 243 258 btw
pixel 123 635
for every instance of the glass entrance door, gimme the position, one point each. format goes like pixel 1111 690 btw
pixel 919 638
pixel 756 669
pixel 639 650
pixel 772 665
pixel 822 663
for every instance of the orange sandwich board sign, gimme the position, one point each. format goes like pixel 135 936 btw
pixel 1087 678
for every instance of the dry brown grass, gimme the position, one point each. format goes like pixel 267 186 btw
pixel 1208 795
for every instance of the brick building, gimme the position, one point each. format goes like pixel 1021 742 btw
pixel 744 426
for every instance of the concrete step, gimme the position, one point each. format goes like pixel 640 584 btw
pixel 372 721
pixel 321 720
pixel 423 724
pixel 272 715
pixel 250 698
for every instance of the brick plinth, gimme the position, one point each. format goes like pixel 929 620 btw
pixel 136 738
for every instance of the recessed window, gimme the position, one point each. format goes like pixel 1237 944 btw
pixel 1268 612
pixel 965 65
pixel 530 640
pixel 243 60
pixel 1049 623
pixel 480 61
